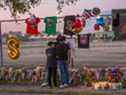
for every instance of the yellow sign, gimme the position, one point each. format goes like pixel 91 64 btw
pixel 13 45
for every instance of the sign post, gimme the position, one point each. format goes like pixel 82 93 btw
pixel 1 48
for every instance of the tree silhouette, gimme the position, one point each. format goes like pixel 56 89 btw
pixel 18 6
pixel 22 6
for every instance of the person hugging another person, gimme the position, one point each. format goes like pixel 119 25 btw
pixel 51 64
pixel 62 53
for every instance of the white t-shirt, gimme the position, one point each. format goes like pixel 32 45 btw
pixel 71 42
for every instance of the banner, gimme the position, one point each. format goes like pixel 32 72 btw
pixel 69 24
pixel 50 28
pixel 13 45
pixel 83 40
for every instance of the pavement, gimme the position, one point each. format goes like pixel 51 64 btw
pixel 37 90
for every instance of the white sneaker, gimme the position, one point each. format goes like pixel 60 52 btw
pixel 61 86
pixel 44 84
pixel 65 85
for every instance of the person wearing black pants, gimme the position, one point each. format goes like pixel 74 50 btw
pixel 52 74
pixel 51 65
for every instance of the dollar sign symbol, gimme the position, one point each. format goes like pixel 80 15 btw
pixel 13 48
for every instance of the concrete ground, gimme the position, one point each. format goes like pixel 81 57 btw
pixel 37 90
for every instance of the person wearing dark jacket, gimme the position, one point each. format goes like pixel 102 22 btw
pixel 62 50
pixel 51 64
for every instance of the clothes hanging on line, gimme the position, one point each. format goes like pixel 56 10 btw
pixel 50 25
pixel 32 26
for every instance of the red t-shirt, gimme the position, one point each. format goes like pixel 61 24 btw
pixel 32 26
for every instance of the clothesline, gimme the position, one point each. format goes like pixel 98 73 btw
pixel 13 20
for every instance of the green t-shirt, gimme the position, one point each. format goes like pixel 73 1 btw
pixel 50 22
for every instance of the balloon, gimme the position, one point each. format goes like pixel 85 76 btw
pixel 106 27
pixel 77 26
pixel 96 11
pixel 96 27
pixel 100 21
pixel 77 30
pixel 108 20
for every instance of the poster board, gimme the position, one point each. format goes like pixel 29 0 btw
pixel 83 40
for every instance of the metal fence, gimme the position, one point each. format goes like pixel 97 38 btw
pixel 32 52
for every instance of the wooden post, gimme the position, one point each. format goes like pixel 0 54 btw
pixel 1 47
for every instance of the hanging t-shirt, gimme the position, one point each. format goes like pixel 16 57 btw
pixel 32 26
pixel 69 24
pixel 50 25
